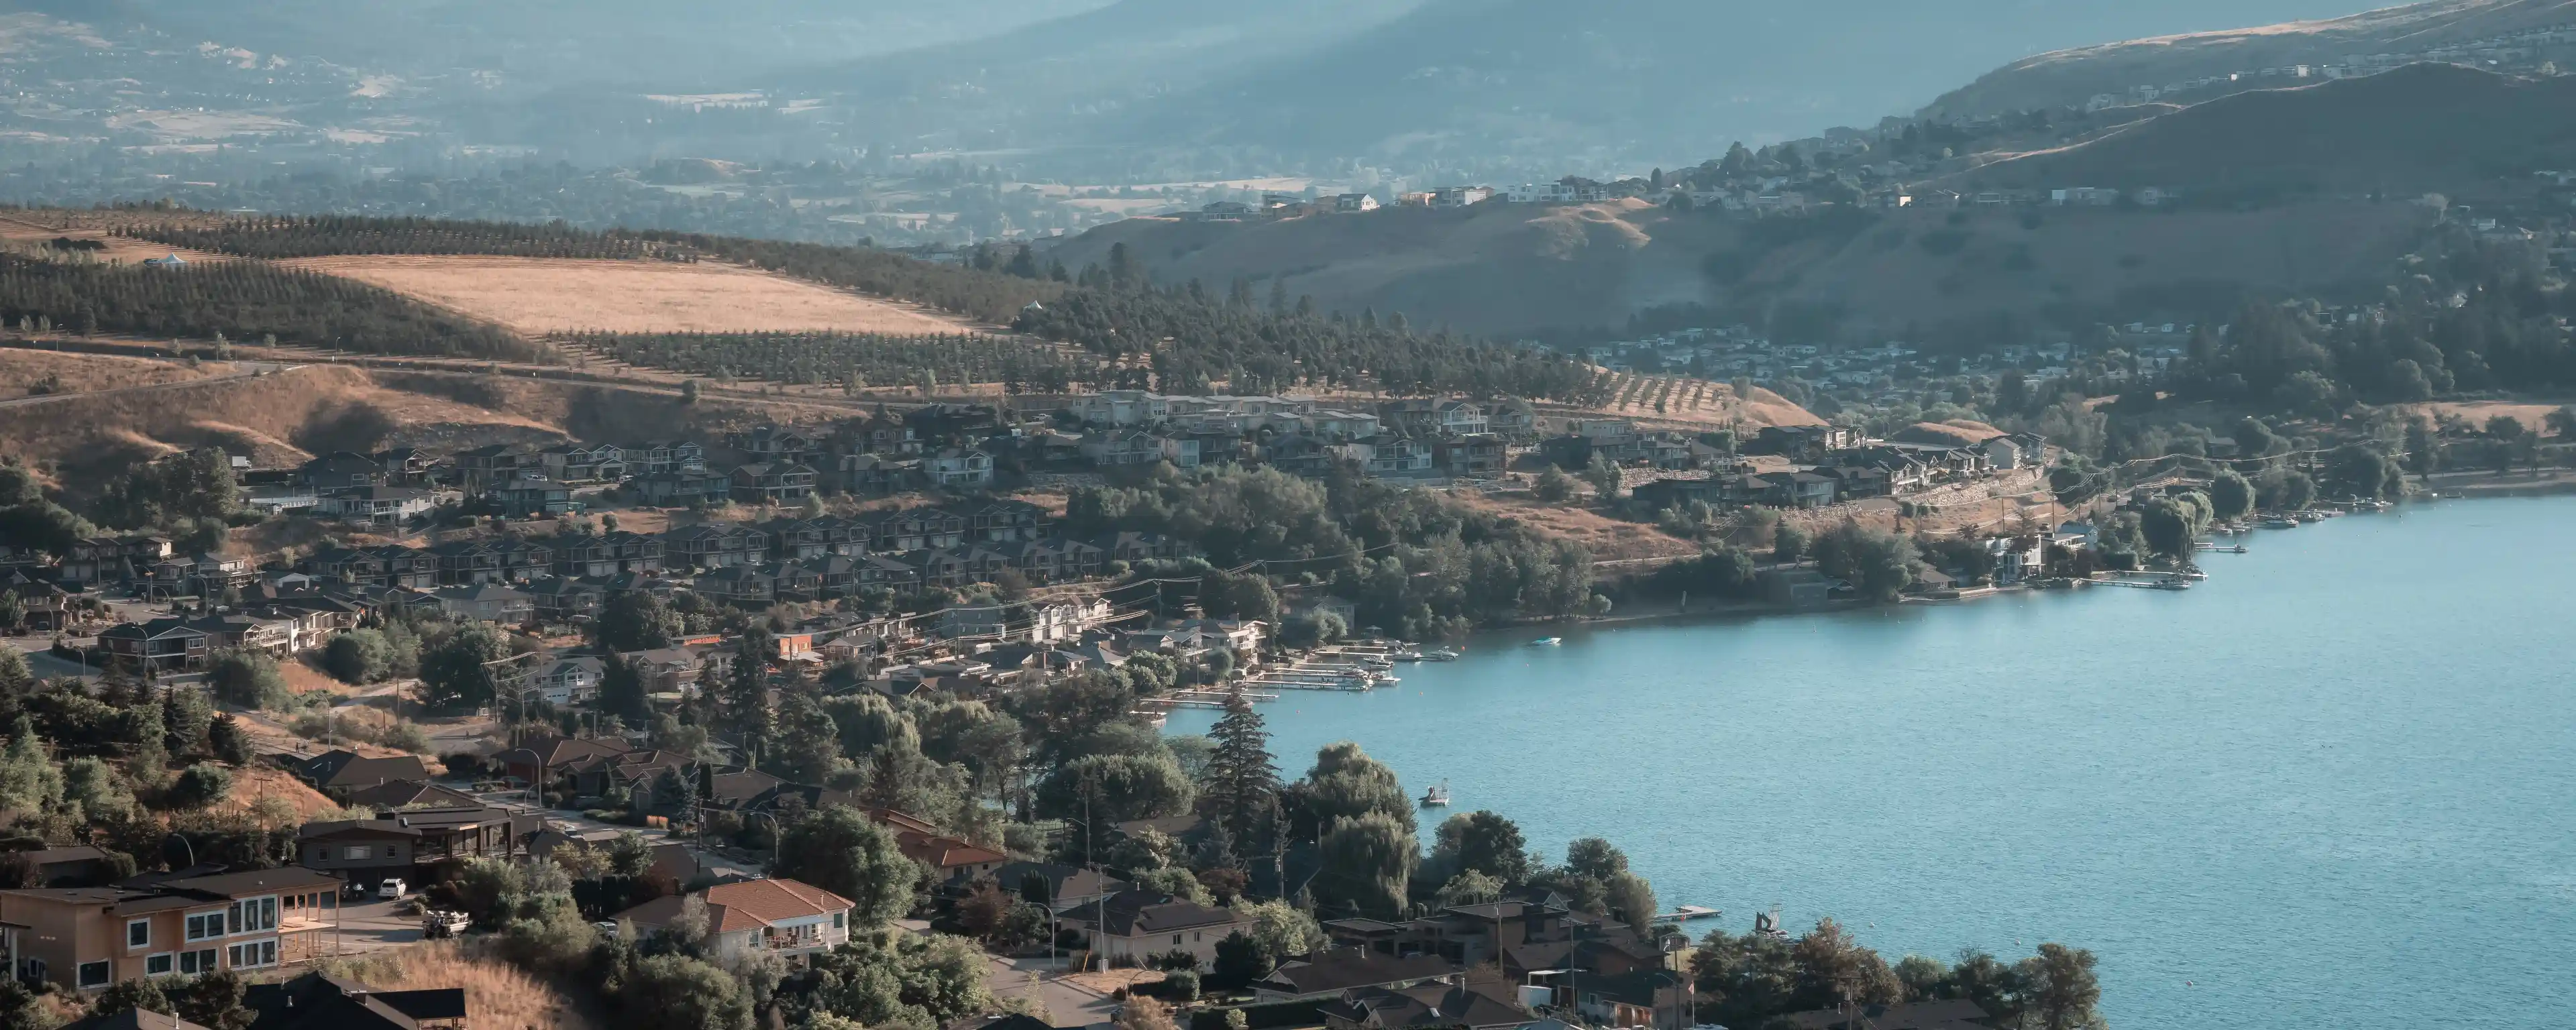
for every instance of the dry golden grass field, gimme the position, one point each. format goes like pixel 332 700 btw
pixel 538 296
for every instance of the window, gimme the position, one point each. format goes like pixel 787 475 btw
pixel 840 920
pixel 354 852
pixel 251 915
pixel 93 974
pixel 192 963
pixel 205 926
pixel 253 954
pixel 158 965
pixel 138 933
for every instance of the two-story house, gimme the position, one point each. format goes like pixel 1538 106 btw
pixel 185 924
pixel 773 483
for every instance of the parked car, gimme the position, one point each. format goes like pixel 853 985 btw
pixel 392 889
pixel 436 924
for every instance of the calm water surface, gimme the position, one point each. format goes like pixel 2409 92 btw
pixel 2331 787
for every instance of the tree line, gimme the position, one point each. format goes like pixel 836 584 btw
pixel 282 237
pixel 854 360
pixel 1193 340
pixel 243 300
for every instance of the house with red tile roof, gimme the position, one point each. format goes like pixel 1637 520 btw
pixel 787 917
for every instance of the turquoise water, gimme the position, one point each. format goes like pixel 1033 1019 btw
pixel 2334 786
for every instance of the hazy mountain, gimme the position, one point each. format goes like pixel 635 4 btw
pixel 648 42
pixel 1060 79
pixel 2071 76
pixel 1675 79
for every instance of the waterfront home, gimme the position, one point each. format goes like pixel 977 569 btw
pixel 788 918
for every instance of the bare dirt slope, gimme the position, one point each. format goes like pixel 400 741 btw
pixel 282 418
pixel 22 370
pixel 535 296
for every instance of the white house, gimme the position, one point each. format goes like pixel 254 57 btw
pixel 378 505
pixel 959 467
pixel 789 918
pixel 567 680
pixel 1138 924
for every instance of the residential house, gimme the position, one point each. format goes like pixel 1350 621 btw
pixel 562 599
pixel 489 602
pixel 342 772
pixel 568 679
pixel 339 471
pixel 951 857
pixel 413 844
pixel 680 489
pixel 665 457
pixel 1136 925
pixel 1062 886
pixel 579 463
pixel 393 794
pixel 788 918
pixel 160 645
pixel 321 1001
pixel 486 468
pixel 960 468
pixel 773 483
pixel 1437 1004
pixel 528 498
pixel 739 584
pixel 383 507
pixel 782 445
pixel 1122 408
pixel 186 923
pixel 1327 974
pixel 1948 1014
pixel 1804 443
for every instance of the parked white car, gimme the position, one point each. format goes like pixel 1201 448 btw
pixel 392 889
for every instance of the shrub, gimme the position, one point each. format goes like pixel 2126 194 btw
pixel 200 785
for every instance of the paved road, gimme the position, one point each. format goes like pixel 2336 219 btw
pixel 1066 1005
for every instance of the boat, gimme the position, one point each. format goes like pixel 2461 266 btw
pixel 1436 797
pixel 2280 522
pixel 1440 654
pixel 2176 583
pixel 1547 642
pixel 1405 654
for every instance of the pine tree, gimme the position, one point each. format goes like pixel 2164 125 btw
pixel 743 708
pixel 1242 777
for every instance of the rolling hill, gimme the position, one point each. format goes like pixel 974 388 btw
pixel 2071 76
pixel 2421 128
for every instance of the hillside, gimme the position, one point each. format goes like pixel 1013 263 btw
pixel 2425 127
pixel 2072 76
pixel 1517 269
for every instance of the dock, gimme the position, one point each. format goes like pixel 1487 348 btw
pixel 1687 913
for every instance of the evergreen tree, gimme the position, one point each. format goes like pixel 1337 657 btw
pixel 1242 777
pixel 742 706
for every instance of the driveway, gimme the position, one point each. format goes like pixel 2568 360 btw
pixel 369 926
pixel 1066 1004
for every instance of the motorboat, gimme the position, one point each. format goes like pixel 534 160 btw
pixel 1547 641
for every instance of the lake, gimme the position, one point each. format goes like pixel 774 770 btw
pixel 2335 785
